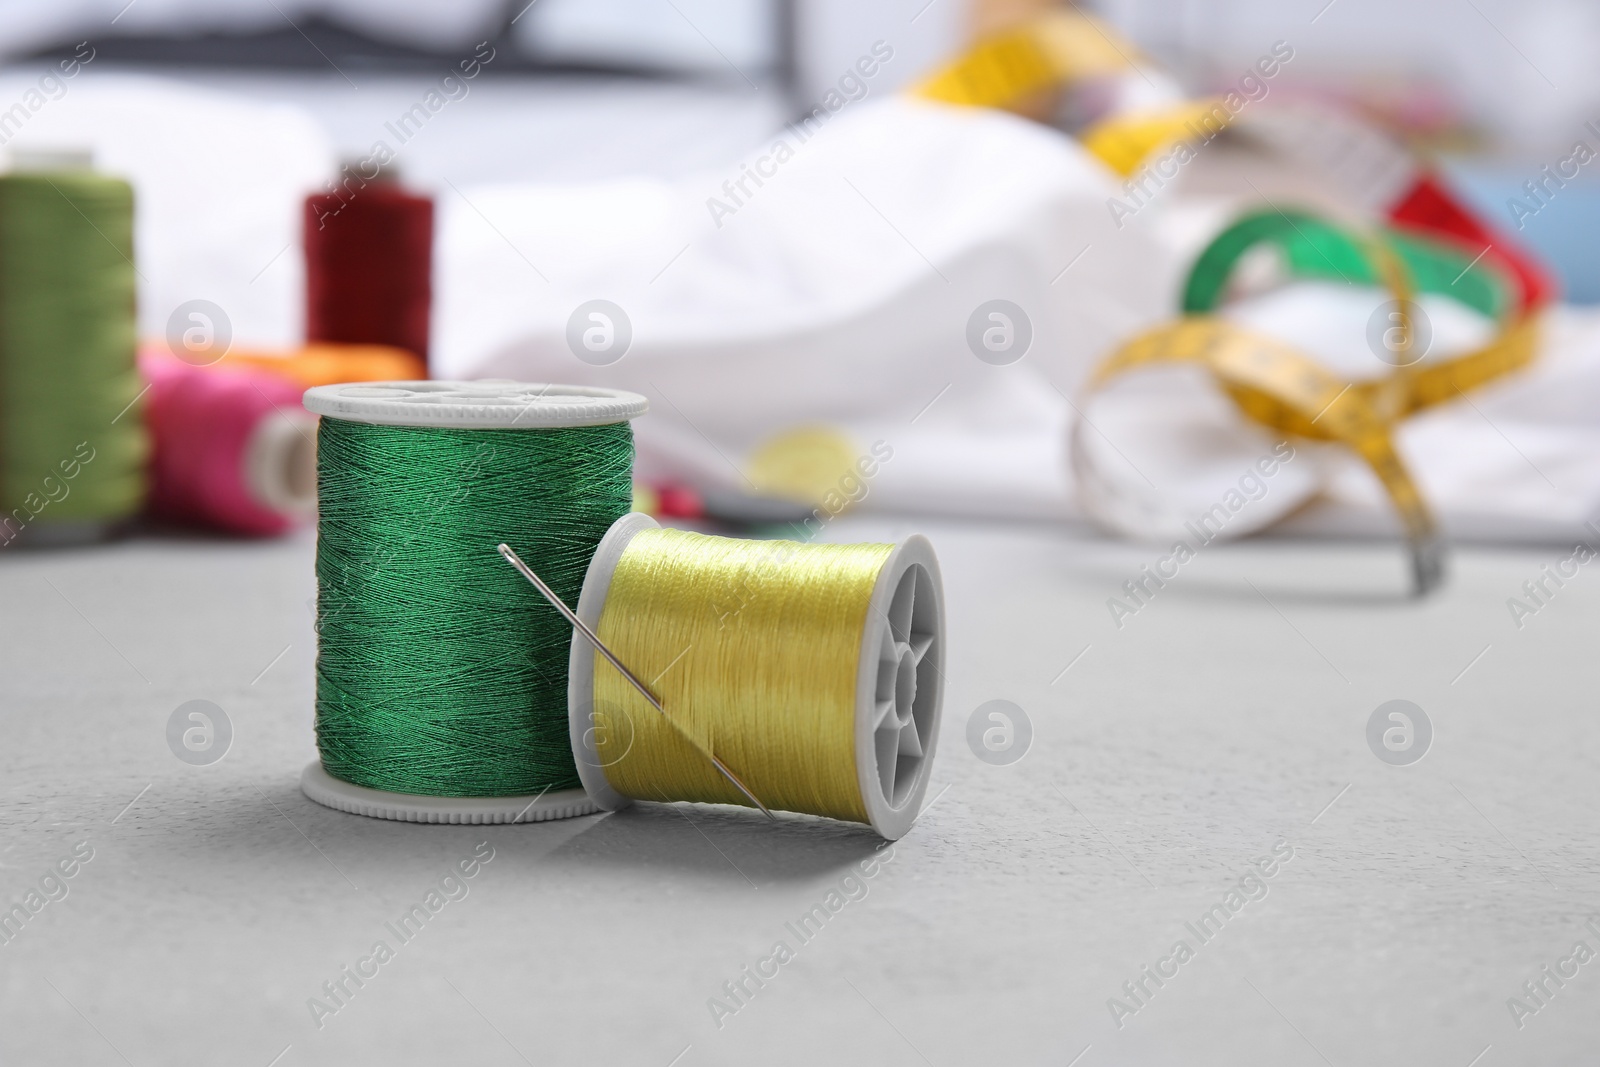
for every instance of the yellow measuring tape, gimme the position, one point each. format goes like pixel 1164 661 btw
pixel 1283 389
pixel 1122 142
pixel 1010 69
pixel 1272 383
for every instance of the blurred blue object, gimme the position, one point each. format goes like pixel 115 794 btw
pixel 1565 230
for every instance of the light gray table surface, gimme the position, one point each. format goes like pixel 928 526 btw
pixel 1226 717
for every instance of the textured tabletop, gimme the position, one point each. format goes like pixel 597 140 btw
pixel 1201 775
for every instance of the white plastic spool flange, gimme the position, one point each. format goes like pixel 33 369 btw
pixel 899 680
pixel 492 404
pixel 487 405
pixel 332 792
pixel 280 464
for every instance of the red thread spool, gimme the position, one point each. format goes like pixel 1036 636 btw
pixel 369 265
pixel 233 449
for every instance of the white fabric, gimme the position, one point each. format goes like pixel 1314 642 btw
pixel 838 293
pixel 1518 461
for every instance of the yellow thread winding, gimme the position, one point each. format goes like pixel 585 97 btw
pixel 753 648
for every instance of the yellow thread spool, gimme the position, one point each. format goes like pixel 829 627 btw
pixel 812 671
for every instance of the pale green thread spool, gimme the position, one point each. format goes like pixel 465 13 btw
pixel 72 442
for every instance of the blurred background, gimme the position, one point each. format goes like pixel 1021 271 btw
pixel 564 151
pixel 584 89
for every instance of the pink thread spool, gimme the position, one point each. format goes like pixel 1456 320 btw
pixel 233 449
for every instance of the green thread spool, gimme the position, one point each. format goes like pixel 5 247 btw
pixel 441 674
pixel 72 440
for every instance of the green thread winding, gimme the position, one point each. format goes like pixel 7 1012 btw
pixel 440 670
pixel 72 443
